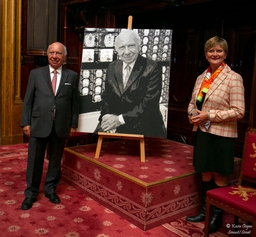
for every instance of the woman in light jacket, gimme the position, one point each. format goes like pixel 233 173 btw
pixel 216 104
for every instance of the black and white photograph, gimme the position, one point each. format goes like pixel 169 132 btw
pixel 124 81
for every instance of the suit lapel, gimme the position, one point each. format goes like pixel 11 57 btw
pixel 216 83
pixel 118 81
pixel 63 78
pixel 47 77
pixel 198 84
pixel 138 67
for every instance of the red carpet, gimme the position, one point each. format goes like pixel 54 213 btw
pixel 165 159
pixel 147 194
pixel 76 215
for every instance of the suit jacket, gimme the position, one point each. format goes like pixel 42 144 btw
pixel 224 101
pixel 139 101
pixel 40 101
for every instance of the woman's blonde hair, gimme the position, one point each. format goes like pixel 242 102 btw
pixel 216 40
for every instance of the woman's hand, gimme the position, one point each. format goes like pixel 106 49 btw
pixel 200 118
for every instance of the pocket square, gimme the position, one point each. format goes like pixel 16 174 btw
pixel 67 84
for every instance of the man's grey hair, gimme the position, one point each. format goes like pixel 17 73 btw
pixel 127 33
pixel 64 48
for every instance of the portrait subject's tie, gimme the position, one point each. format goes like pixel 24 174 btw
pixel 127 74
pixel 54 81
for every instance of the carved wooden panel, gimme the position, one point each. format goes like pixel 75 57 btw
pixel 192 25
pixel 42 25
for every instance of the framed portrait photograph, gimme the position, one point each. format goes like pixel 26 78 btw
pixel 124 85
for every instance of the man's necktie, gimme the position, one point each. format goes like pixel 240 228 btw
pixel 127 74
pixel 54 81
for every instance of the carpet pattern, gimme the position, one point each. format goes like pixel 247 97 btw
pixel 164 159
pixel 76 216
pixel 147 194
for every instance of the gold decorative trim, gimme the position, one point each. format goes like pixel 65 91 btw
pixel 254 148
pixel 10 57
pixel 244 192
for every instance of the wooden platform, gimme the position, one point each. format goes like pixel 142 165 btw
pixel 148 194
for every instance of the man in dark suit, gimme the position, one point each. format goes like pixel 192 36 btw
pixel 130 101
pixel 48 118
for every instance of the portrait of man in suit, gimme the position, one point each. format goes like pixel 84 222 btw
pixel 133 85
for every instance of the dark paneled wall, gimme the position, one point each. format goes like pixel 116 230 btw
pixel 192 23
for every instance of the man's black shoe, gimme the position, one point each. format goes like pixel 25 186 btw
pixel 53 197
pixel 27 203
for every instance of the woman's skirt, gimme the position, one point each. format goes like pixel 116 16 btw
pixel 213 153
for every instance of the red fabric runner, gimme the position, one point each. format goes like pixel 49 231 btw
pixel 76 216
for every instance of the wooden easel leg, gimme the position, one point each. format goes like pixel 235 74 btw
pixel 98 148
pixel 101 135
pixel 142 150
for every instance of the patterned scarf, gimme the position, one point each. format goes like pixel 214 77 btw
pixel 208 80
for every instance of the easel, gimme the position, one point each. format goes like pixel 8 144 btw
pixel 102 135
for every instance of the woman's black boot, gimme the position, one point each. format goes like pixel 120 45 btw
pixel 216 221
pixel 216 218
pixel 206 185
